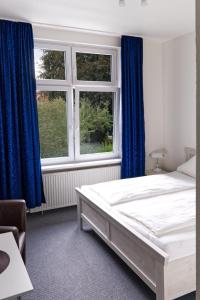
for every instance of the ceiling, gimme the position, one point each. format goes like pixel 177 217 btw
pixel 164 19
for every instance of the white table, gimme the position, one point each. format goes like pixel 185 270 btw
pixel 14 281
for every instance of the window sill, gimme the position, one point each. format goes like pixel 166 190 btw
pixel 80 165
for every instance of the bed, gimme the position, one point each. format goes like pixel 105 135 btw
pixel 161 252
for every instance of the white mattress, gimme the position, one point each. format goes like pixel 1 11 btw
pixel 176 244
pixel 163 214
pixel 121 191
pixel 171 228
pixel 115 194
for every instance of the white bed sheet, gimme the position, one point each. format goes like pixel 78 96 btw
pixel 177 244
pixel 178 240
pixel 121 191
pixel 162 214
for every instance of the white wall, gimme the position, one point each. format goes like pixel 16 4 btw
pixel 153 98
pixel 152 76
pixel 66 36
pixel 179 98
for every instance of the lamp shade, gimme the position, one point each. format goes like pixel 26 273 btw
pixel 157 154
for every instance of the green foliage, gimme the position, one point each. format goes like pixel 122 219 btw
pixel 90 67
pixel 95 122
pixel 95 148
pixel 53 128
pixel 93 67
pixel 53 65
pixel 95 127
pixel 104 148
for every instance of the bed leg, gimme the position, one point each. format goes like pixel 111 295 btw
pixel 161 282
pixel 79 208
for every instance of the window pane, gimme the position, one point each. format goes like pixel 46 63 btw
pixel 49 64
pixel 96 122
pixel 52 116
pixel 93 67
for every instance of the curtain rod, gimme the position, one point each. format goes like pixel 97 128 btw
pixel 77 29
pixel 67 28
pixel 92 31
pixel 82 30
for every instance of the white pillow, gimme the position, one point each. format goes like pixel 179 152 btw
pixel 189 167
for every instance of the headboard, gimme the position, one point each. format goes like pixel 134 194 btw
pixel 189 152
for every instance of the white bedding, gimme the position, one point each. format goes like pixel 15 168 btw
pixel 176 244
pixel 121 191
pixel 163 214
pixel 178 239
pixel 115 195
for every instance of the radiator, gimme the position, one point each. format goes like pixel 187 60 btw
pixel 59 188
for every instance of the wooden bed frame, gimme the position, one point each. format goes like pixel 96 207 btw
pixel 168 279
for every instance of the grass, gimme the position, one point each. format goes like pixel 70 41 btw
pixel 95 148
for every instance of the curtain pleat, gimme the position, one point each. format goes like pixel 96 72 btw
pixel 20 167
pixel 133 132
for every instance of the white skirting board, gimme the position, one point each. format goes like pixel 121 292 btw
pixel 59 188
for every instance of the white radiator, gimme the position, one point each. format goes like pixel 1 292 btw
pixel 60 187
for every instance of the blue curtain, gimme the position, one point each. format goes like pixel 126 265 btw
pixel 20 168
pixel 133 133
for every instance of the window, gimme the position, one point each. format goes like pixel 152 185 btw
pixel 93 67
pixel 52 114
pixel 78 103
pixel 50 64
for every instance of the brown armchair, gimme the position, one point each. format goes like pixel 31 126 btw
pixel 13 218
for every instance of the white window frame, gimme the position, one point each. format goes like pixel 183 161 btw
pixel 96 50
pixel 68 67
pixel 71 85
pixel 69 121
pixel 116 106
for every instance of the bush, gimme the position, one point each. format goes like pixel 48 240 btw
pixel 95 127
pixel 53 128
pixel 95 122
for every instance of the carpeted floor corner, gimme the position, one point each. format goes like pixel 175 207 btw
pixel 67 264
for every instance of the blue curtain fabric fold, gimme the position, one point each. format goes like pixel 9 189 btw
pixel 20 168
pixel 133 132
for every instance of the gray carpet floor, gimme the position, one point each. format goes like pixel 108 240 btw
pixel 67 264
